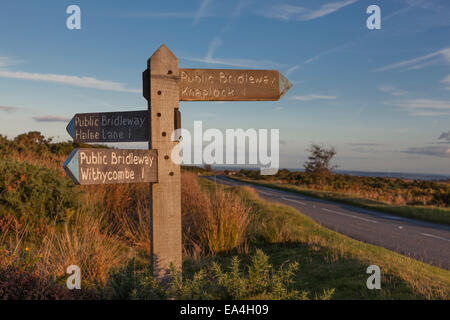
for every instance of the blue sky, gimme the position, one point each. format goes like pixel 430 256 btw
pixel 381 97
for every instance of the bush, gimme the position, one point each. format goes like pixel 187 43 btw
pixel 17 284
pixel 132 281
pixel 258 281
pixel 26 190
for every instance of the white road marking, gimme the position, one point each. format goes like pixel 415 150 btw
pixel 349 215
pixel 433 236
pixel 355 217
pixel 269 194
pixel 294 200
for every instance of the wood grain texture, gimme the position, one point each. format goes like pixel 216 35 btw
pixel 165 208
pixel 229 85
pixel 126 126
pixel 90 166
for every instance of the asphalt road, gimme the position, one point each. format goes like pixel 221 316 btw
pixel 424 241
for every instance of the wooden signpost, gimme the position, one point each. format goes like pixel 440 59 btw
pixel 232 85
pixel 164 86
pixel 105 166
pixel 128 126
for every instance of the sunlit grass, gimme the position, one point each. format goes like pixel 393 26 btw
pixel 426 213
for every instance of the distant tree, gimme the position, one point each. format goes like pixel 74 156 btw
pixel 319 161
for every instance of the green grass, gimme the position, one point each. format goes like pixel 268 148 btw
pixel 329 260
pixel 425 213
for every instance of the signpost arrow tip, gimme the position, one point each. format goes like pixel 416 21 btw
pixel 71 128
pixel 71 167
pixel 284 85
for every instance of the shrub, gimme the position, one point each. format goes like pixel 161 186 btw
pixel 132 281
pixel 17 284
pixel 258 281
pixel 26 190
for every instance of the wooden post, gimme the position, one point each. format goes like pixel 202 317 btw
pixel 161 89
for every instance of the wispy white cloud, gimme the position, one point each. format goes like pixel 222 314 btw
pixel 424 107
pixel 327 8
pixel 334 49
pixel 290 12
pixel 393 90
pixel 152 14
pixel 365 147
pixel 438 56
pixel 8 109
pixel 205 10
pixel 412 4
pixel 313 97
pixel 85 82
pixel 442 151
pixel 368 144
pixel 424 4
pixel 215 43
pixel 8 61
pixel 316 57
pixel 51 119
pixel 243 63
pixel 284 12
pixel 202 10
pixel 240 7
pixel 446 81
pixel 445 136
pixel 430 151
pixel 292 69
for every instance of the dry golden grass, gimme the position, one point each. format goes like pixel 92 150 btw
pixel 134 226
pixel 125 208
pixel 85 243
pixel 213 221
pixel 13 235
pixel 112 225
pixel 81 241
pixel 100 235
